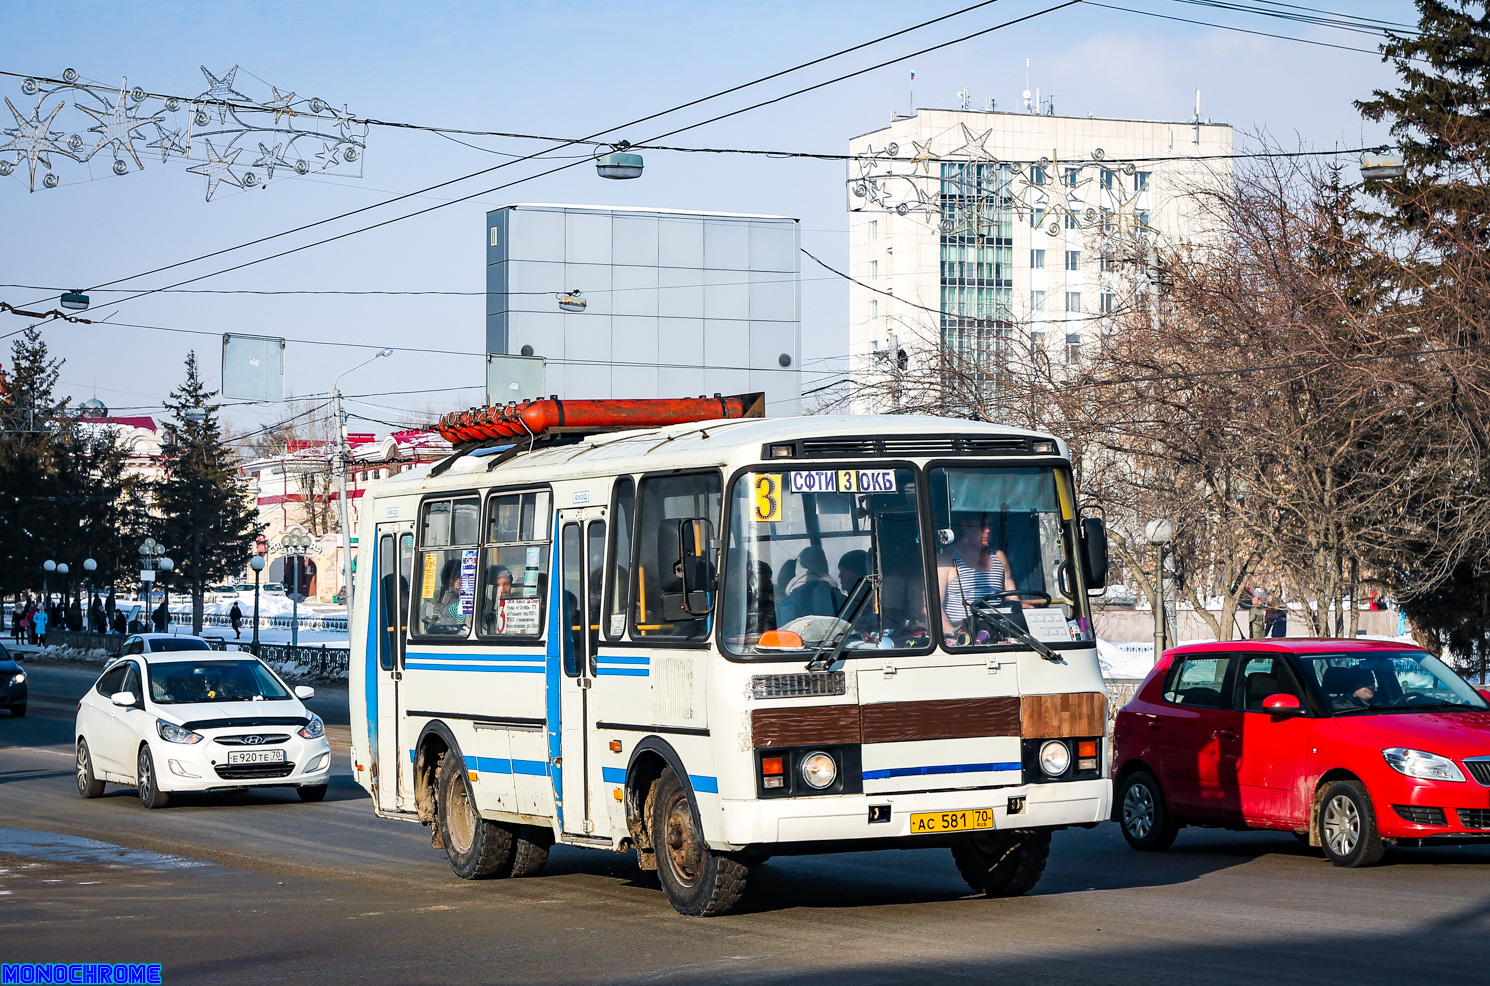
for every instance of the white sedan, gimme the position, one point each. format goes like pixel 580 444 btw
pixel 175 721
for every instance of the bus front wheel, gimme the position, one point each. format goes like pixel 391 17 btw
pixel 698 881
pixel 477 848
pixel 1004 863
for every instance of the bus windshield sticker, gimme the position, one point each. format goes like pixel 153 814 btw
pixel 467 581
pixel 517 616
pixel 617 624
pixel 1047 624
pixel 428 591
pixel 534 556
pixel 841 481
pixel 768 499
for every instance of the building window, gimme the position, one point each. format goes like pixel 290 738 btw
pixel 1037 301
pixel 1037 259
pixel 874 308
pixel 1037 339
pixel 874 229
pixel 1073 348
pixel 1073 177
pixel 1107 179
pixel 1037 175
pixel 874 269
pixel 1140 181
pixel 1073 260
pixel 1107 302
pixel 1071 221
pixel 1073 301
pixel 1143 219
pixel 1037 217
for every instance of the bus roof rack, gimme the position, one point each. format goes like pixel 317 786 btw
pixel 546 419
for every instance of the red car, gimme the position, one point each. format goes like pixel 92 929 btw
pixel 1350 744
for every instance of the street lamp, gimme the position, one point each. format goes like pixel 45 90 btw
pixel 342 452
pixel 152 560
pixel 295 547
pixel 257 564
pixel 90 566
pixel 62 571
pixel 1159 533
pixel 48 567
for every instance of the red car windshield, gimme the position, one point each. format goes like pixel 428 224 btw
pixel 1388 681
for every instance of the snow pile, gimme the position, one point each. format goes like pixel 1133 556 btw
pixel 1125 660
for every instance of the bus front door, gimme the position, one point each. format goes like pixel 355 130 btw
pixel 582 562
pixel 392 773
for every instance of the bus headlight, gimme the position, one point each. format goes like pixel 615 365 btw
pixel 1055 758
pixel 819 770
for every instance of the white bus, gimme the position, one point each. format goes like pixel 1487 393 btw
pixel 715 642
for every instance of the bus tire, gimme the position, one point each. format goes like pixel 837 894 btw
pixel 477 849
pixel 530 846
pixel 698 881
pixel 1004 863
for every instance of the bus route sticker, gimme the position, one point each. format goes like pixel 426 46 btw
pixel 428 592
pixel 518 616
pixel 467 581
pixel 767 498
pixel 843 481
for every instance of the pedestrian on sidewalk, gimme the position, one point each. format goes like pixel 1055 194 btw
pixel 162 617
pixel 39 625
pixel 15 623
pixel 96 621
pixel 119 624
pixel 235 617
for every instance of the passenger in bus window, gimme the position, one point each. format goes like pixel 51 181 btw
pixel 441 612
pixel 969 568
pixel 811 592
pixel 853 566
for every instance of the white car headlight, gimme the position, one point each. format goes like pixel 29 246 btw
pixel 314 729
pixel 819 770
pixel 18 679
pixel 172 733
pixel 1417 763
pixel 1055 758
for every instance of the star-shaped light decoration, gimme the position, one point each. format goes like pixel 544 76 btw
pixel 169 142
pixel 329 155
pixel 923 157
pixel 217 168
pixel 270 158
pixel 344 120
pixel 280 104
pixel 973 147
pixel 116 126
pixel 34 138
pixel 219 91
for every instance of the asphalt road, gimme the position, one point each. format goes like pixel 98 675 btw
pixel 254 888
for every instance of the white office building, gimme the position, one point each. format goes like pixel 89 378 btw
pixel 675 304
pixel 976 231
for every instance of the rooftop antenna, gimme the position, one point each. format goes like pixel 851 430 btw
pixel 1197 117
pixel 1029 107
pixel 913 94
pixel 964 97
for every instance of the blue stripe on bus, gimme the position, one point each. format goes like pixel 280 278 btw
pixel 703 784
pixel 613 775
pixel 620 659
pixel 624 672
pixel 499 765
pixel 511 668
pixel 950 768
pixel 464 655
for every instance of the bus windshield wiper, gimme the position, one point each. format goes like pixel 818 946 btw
pixel 1012 630
pixel 830 650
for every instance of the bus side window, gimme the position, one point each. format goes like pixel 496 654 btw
pixel 514 565
pixel 618 592
pixel 448 556
pixel 389 588
pixel 573 562
pixel 666 500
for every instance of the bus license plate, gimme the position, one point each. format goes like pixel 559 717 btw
pixel 256 756
pixel 952 821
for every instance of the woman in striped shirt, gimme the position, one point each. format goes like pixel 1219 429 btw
pixel 969 568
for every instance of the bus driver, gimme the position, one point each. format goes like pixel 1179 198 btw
pixel 969 568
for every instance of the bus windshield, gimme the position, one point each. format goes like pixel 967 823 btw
pixel 1006 560
pixel 800 543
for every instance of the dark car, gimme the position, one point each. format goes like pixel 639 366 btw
pixel 13 692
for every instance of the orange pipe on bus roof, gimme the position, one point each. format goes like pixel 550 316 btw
pixel 551 416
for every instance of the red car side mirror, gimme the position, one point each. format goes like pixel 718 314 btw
pixel 1486 693
pixel 1281 702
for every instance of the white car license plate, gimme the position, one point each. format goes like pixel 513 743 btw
pixel 256 756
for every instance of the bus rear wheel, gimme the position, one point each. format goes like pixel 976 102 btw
pixel 1003 863
pixel 477 848
pixel 698 881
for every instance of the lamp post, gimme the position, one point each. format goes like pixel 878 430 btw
pixel 152 560
pixel 90 566
pixel 345 569
pixel 257 564
pixel 1159 533
pixel 295 548
pixel 47 567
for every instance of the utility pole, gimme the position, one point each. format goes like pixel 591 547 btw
pixel 1159 533
pixel 342 452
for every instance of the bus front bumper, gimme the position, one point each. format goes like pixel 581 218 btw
pixel 848 817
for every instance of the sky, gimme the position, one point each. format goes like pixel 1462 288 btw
pixel 550 68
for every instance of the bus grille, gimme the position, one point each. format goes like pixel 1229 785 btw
pixel 798 685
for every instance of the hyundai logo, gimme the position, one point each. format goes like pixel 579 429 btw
pixel 253 740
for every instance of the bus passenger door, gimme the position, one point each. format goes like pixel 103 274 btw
pixel 392 772
pixel 581 563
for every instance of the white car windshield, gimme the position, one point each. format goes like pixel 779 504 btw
pixel 185 682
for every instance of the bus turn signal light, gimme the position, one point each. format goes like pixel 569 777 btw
pixel 1086 755
pixel 780 640
pixel 774 771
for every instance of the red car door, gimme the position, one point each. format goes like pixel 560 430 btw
pixel 1270 753
pixel 1197 780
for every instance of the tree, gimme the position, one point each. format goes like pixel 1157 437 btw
pixel 206 515
pixel 29 410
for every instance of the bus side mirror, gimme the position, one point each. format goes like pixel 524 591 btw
pixel 1094 552
pixel 694 569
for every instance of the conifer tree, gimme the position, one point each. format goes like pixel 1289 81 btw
pixel 206 517
pixel 28 412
